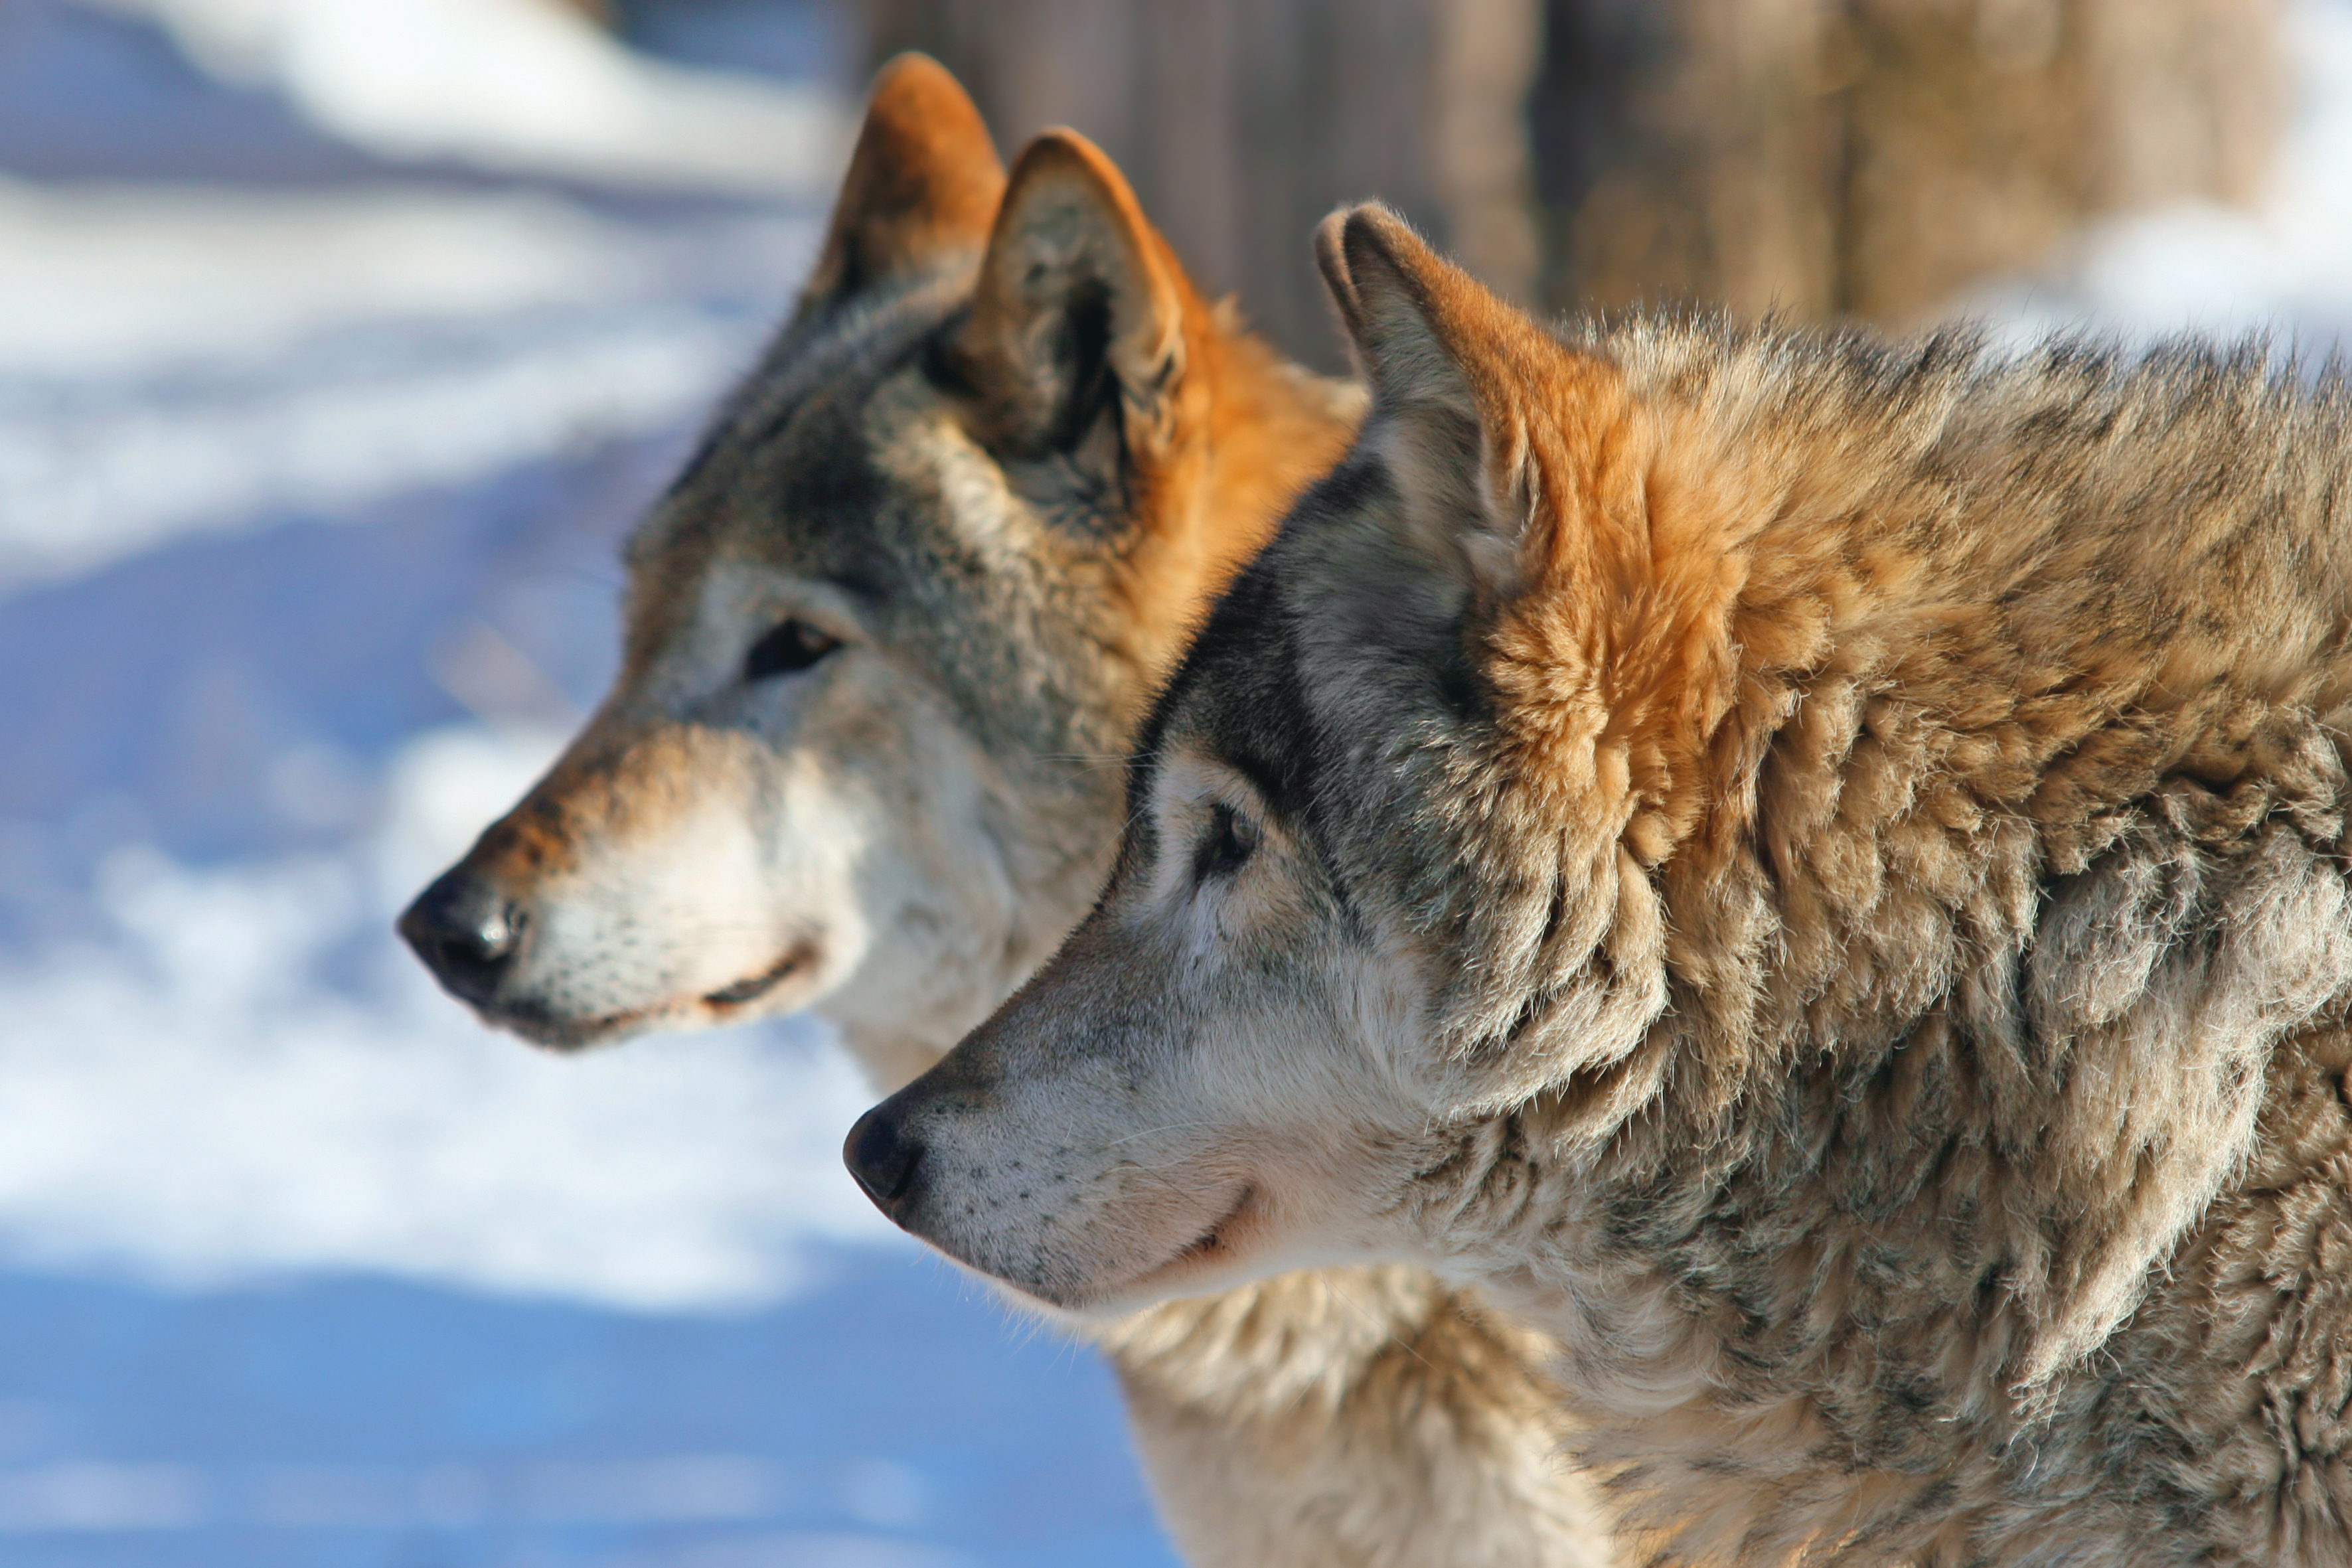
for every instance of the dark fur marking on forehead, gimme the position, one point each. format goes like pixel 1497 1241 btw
pixel 1248 654
pixel 1402 611
pixel 1240 685
pixel 1240 689
pixel 1360 479
pixel 858 344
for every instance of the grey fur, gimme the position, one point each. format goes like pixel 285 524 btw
pixel 1843 924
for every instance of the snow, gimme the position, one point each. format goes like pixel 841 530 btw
pixel 216 359
pixel 347 1420
pixel 132 277
pixel 188 1105
pixel 81 486
pixel 519 86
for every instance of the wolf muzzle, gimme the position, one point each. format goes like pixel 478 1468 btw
pixel 884 1158
pixel 467 931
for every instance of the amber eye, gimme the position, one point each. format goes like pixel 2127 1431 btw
pixel 1225 847
pixel 790 647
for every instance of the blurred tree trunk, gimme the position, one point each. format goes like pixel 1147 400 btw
pixel 1823 157
pixel 1872 157
pixel 1240 123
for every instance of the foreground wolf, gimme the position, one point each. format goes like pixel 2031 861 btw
pixel 1813 870
pixel 887 639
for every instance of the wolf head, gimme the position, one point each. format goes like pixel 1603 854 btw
pixel 1455 710
pixel 890 631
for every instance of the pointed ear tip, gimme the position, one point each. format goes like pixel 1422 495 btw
pixel 1331 262
pixel 1331 233
pixel 913 92
pixel 908 64
pixel 1059 155
pixel 912 74
pixel 1375 229
pixel 1059 148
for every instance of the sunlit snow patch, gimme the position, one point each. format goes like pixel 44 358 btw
pixel 196 1103
pixel 523 86
pixel 177 361
pixel 121 279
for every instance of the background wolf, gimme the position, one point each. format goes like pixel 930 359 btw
pixel 887 640
pixel 1814 869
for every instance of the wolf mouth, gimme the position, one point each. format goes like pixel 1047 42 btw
pixel 552 1031
pixel 557 1032
pixel 752 987
pixel 1211 1244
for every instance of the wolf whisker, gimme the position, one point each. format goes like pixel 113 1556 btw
pixel 1154 1131
pixel 1341 1290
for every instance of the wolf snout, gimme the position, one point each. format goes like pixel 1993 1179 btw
pixel 467 931
pixel 883 1155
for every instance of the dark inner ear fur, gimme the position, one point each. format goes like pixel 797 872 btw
pixel 1083 364
pixel 1075 331
pixel 1058 429
pixel 1392 312
pixel 1331 262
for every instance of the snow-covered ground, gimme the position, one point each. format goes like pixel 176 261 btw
pixel 326 391
pixel 220 360
pixel 519 86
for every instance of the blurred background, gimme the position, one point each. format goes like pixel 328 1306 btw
pixel 340 341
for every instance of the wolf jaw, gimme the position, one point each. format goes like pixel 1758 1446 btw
pixel 957 592
pixel 1812 870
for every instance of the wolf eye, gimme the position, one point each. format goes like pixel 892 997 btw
pixel 791 647
pixel 1225 847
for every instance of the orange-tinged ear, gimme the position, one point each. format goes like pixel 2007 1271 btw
pixel 1555 501
pixel 1479 411
pixel 922 189
pixel 1080 302
pixel 1425 330
pixel 1451 368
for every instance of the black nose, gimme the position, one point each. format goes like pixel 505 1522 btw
pixel 882 1157
pixel 467 931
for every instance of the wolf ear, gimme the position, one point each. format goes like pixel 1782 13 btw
pixel 1431 341
pixel 1418 323
pixel 1075 342
pixel 922 188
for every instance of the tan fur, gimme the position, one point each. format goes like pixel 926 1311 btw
pixel 922 183
pixel 898 834
pixel 1813 870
